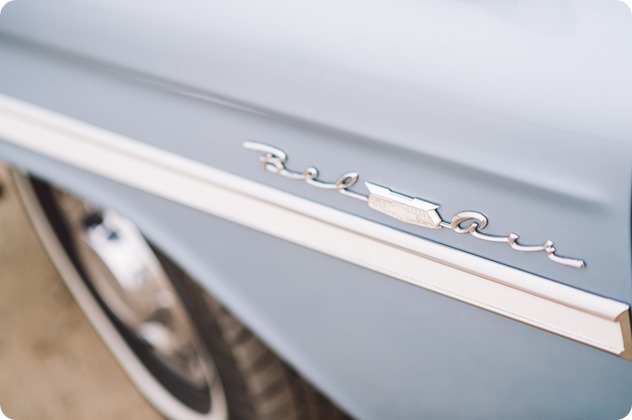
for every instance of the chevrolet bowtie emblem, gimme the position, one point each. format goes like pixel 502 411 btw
pixel 402 207
pixel 412 210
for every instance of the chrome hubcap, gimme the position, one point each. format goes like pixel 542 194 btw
pixel 128 277
pixel 132 282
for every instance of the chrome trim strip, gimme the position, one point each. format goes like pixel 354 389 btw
pixel 584 317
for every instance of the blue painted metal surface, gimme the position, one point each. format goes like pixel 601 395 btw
pixel 519 111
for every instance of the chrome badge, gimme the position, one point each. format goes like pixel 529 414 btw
pixel 407 209
pixel 402 207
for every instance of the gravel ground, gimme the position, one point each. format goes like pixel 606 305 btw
pixel 52 363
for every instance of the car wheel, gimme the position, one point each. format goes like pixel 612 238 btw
pixel 187 354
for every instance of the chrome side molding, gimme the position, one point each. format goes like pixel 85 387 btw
pixel 578 315
pixel 412 210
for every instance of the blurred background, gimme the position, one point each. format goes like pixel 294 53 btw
pixel 52 363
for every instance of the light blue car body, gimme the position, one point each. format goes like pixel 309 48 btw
pixel 521 110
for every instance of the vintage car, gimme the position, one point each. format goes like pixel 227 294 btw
pixel 383 210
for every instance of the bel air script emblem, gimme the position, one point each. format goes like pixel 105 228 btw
pixel 407 209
